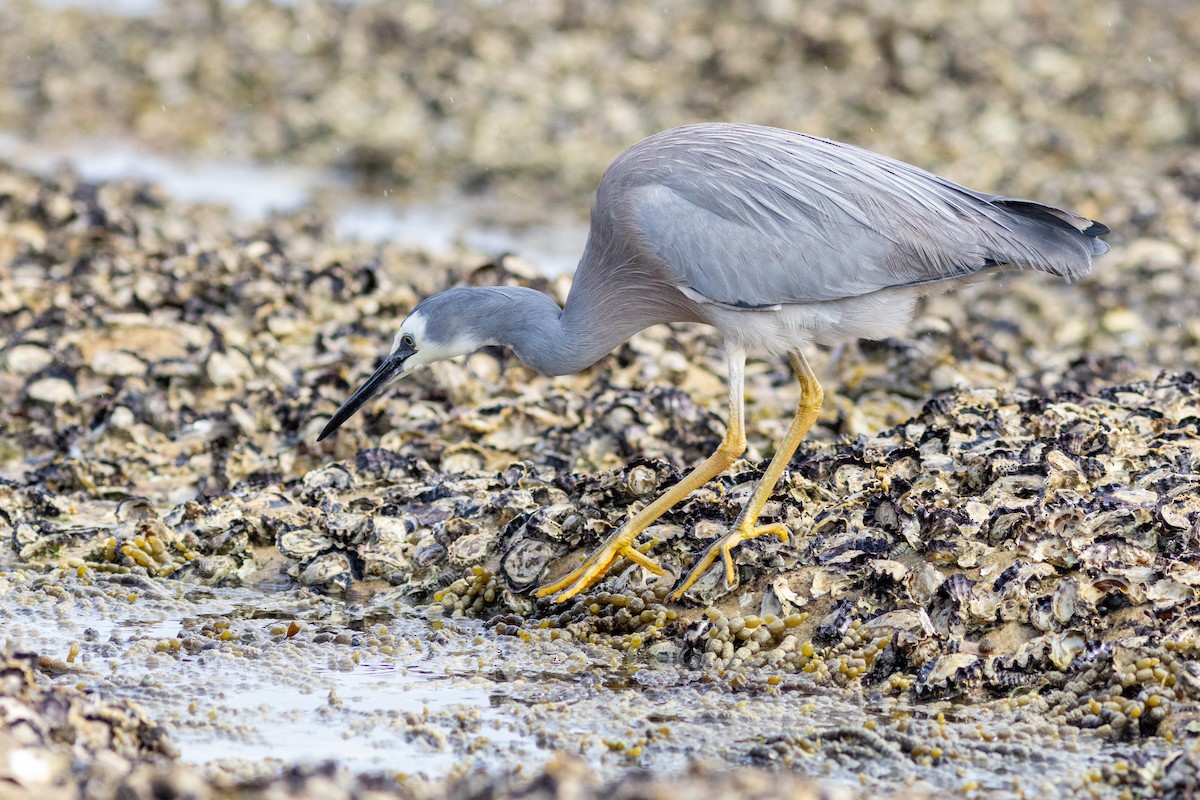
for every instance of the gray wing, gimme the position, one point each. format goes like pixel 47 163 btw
pixel 754 217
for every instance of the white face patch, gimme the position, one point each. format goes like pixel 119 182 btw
pixel 413 326
pixel 426 351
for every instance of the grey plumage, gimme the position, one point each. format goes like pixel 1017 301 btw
pixel 775 238
pixel 812 220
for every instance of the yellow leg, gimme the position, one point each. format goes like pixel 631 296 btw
pixel 620 543
pixel 811 397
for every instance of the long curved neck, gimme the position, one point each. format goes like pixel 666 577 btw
pixel 615 294
pixel 557 341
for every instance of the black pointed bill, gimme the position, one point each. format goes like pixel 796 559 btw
pixel 391 368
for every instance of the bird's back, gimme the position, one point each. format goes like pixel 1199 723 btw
pixel 753 217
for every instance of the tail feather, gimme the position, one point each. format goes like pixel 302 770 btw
pixel 1065 240
pixel 1093 231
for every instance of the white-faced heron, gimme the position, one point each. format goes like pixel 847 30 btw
pixel 777 240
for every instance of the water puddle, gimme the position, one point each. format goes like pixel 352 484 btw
pixel 254 190
pixel 286 703
pixel 372 705
pixel 118 8
pixel 421 695
pixel 452 691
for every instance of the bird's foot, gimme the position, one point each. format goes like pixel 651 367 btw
pixel 597 565
pixel 725 546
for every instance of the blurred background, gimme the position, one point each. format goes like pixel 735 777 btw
pixel 1076 102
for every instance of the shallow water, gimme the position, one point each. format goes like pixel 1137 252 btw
pixel 123 8
pixel 293 702
pixel 254 190
pixel 449 693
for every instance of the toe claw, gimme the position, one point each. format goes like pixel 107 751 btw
pixel 776 529
pixel 571 585
pixel 701 566
pixel 571 577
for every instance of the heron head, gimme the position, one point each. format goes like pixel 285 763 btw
pixel 437 329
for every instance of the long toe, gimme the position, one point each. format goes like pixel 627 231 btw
pixel 566 580
pixel 724 546
pixel 570 578
pixel 701 566
pixel 641 559
pixel 595 568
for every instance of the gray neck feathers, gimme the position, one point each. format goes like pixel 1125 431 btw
pixel 548 340
pixel 617 292
pixel 530 323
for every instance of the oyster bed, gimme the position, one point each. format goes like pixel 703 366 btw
pixel 992 584
pixel 991 570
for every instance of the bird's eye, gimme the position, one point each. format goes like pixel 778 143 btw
pixel 407 340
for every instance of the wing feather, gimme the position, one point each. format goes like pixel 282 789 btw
pixel 753 217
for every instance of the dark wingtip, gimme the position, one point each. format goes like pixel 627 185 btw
pixel 1093 231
